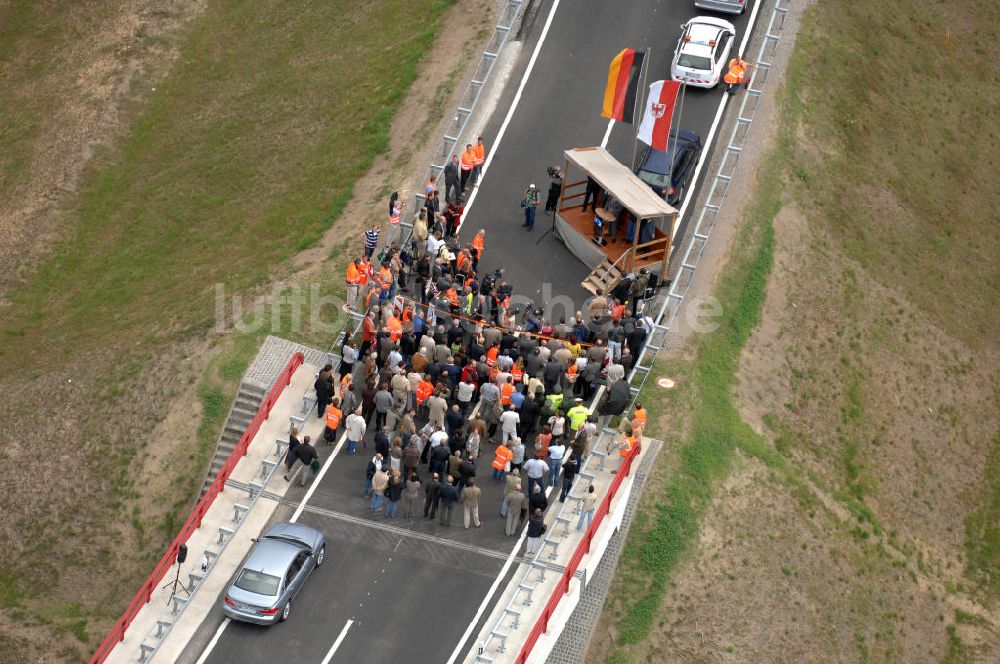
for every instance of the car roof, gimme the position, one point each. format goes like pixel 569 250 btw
pixel 658 161
pixel 718 23
pixel 696 49
pixel 272 556
pixel 297 531
pixel 703 30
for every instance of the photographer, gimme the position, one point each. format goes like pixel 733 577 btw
pixel 555 188
pixel 530 204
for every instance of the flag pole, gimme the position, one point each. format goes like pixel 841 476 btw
pixel 674 126
pixel 644 94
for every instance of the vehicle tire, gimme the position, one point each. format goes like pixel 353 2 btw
pixel 285 611
pixel 321 556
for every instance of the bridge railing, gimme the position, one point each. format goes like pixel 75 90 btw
pixel 582 549
pixel 145 594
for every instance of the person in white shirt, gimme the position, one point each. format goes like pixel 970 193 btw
pixel 535 469
pixel 356 427
pixel 558 424
pixel 465 392
pixel 587 507
pixel 439 437
pixel 434 244
pixel 508 424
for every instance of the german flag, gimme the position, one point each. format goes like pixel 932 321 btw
pixel 623 85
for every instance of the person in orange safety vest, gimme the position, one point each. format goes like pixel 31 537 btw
pixel 479 153
pixel 736 75
pixel 478 244
pixel 638 419
pixel 333 417
pixel 425 388
pixel 395 327
pixel 353 284
pixel 468 163
pixel 506 390
pixel 500 461
pixel 384 282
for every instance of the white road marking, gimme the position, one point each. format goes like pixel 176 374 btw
pixel 336 644
pixel 500 134
pixel 607 134
pixel 295 517
pixel 707 145
pixel 510 111
pixel 722 106
pixel 486 600
pixel 319 478
pixel 215 639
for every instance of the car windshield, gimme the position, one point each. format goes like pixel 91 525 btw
pixel 257 582
pixel 655 180
pixel 694 61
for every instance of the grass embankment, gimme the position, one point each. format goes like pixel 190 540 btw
pixel 881 391
pixel 244 155
pixel 915 144
pixel 708 425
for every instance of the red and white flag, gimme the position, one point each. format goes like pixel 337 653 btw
pixel 659 110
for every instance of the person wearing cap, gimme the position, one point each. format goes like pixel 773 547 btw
pixel 530 204
pixel 577 415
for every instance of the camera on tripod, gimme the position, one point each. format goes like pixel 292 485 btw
pixel 554 172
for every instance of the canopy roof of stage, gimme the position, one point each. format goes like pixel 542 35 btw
pixel 634 194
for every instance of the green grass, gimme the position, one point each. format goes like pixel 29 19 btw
pixel 890 153
pixel 716 428
pixel 241 158
pixel 900 149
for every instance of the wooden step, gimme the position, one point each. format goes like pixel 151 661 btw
pixel 603 279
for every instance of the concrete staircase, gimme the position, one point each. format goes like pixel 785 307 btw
pixel 244 408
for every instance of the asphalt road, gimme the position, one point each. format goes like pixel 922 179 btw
pixel 559 110
pixel 411 597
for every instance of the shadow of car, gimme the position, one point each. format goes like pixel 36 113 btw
pixel 273 573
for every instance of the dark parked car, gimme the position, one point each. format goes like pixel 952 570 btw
pixel 273 573
pixel 654 169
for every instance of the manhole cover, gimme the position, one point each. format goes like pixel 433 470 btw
pixel 665 383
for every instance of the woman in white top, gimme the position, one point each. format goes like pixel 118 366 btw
pixel 557 423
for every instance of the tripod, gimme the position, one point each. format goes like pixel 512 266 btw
pixel 176 584
pixel 551 205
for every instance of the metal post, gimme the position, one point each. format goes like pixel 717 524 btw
pixel 675 126
pixel 643 96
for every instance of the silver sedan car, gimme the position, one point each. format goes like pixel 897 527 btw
pixel 273 573
pixel 724 6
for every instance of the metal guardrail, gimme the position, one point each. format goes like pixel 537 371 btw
pixel 707 218
pixel 507 14
pixel 145 594
pixel 510 615
pixel 716 197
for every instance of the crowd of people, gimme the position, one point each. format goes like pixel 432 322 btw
pixel 447 379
